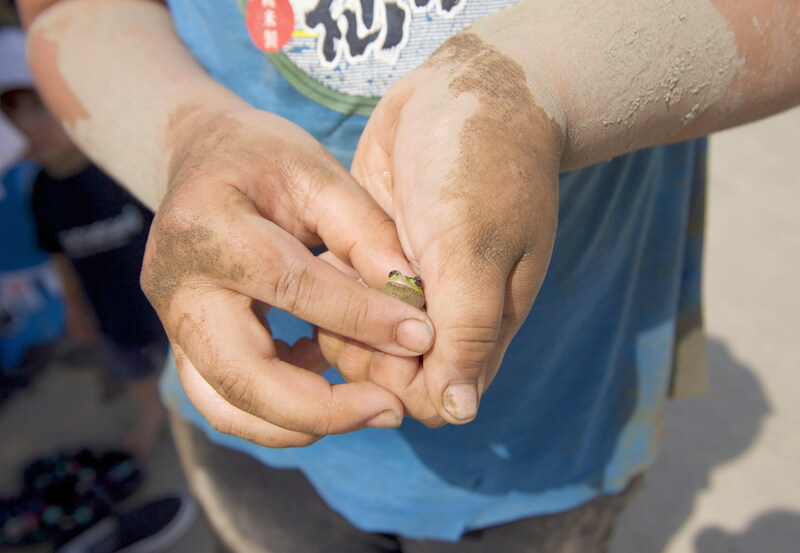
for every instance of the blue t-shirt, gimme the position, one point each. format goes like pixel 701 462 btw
pixel 19 248
pixel 575 411
pixel 31 299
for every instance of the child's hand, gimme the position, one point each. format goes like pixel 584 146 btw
pixel 249 191
pixel 465 162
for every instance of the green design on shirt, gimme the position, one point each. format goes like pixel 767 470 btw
pixel 315 91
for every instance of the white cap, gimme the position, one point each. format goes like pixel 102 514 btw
pixel 14 72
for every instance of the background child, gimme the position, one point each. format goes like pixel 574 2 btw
pixel 97 233
pixel 31 297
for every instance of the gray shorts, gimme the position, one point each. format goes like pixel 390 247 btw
pixel 253 508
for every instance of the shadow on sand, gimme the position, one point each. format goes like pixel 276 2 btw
pixel 701 433
pixel 772 532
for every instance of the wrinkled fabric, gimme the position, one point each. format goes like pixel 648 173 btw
pixel 576 409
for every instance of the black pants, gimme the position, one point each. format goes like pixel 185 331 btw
pixel 253 508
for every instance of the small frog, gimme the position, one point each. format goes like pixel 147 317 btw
pixel 406 288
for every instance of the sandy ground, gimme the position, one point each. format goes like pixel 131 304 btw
pixel 727 479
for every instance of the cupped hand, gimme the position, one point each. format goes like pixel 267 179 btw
pixel 249 192
pixel 465 161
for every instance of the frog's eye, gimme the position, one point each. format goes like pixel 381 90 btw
pixel 394 273
pixel 417 282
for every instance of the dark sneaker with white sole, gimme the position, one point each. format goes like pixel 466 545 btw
pixel 150 528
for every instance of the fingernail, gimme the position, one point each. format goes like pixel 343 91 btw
pixel 385 419
pixel 461 401
pixel 414 335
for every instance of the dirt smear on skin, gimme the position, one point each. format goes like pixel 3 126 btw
pixel 668 65
pixel 499 149
pixel 184 249
pixel 212 141
pixel 180 254
pixel 49 78
pixel 696 70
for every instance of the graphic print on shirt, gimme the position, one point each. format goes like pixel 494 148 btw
pixel 102 236
pixel 346 53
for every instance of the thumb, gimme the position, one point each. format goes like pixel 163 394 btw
pixel 476 314
pixel 466 308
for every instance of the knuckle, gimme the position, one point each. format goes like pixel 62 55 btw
pixel 383 226
pixel 331 346
pixel 294 287
pixel 222 425
pixel 357 318
pixel 472 343
pixel 423 411
pixel 434 421
pixel 353 362
pixel 237 389
pixel 146 276
pixel 273 437
pixel 322 421
pixel 176 212
pixel 171 253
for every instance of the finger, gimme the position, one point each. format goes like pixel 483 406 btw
pixel 476 311
pixel 304 353
pixel 400 375
pixel 467 330
pixel 304 189
pixel 225 418
pixel 352 359
pixel 235 355
pixel 346 269
pixel 403 377
pixel 372 166
pixel 523 285
pixel 409 334
pixel 358 232
pixel 267 263
pixel 357 224
pixel 357 363
pixel 328 202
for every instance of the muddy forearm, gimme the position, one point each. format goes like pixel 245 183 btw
pixel 619 76
pixel 123 85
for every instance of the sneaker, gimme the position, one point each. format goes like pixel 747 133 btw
pixel 111 475
pixel 150 528
pixel 21 521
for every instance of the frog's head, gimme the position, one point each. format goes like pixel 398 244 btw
pixel 399 278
